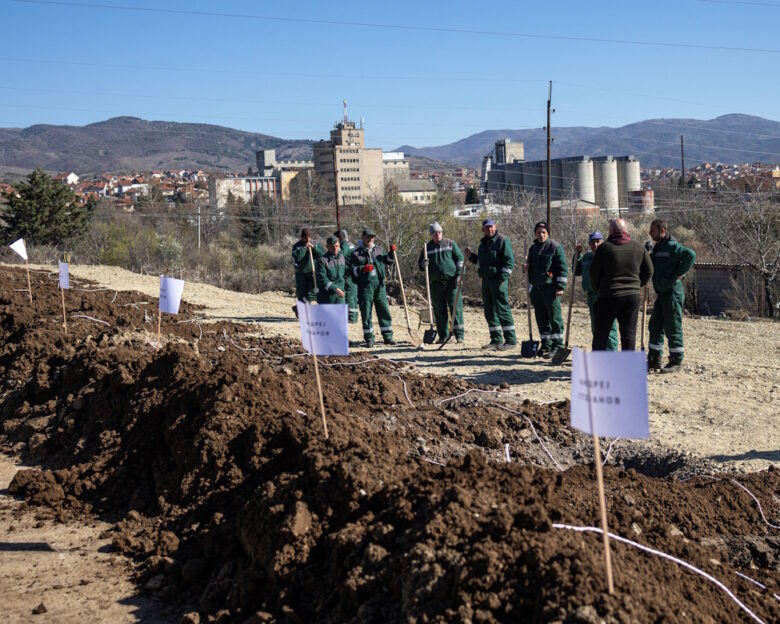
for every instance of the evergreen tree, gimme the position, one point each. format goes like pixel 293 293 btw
pixel 45 212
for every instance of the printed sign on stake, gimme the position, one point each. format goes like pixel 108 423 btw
pixel 615 383
pixel 170 294
pixel 20 248
pixel 325 326
pixel 64 276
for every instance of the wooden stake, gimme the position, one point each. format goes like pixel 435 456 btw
pixel 64 318
pixel 159 327
pixel 314 351
pixel 600 480
pixel 29 287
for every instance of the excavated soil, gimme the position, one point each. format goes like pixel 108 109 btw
pixel 208 457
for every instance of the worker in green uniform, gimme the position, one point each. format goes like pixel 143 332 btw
pixel 583 268
pixel 331 269
pixel 495 261
pixel 351 290
pixel 671 261
pixel 368 265
pixel 445 264
pixel 305 286
pixel 547 276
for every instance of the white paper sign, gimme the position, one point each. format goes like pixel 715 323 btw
pixel 615 386
pixel 20 248
pixel 64 276
pixel 170 294
pixel 326 326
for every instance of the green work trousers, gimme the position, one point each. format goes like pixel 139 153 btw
pixel 369 295
pixel 498 314
pixel 443 300
pixel 612 341
pixel 305 289
pixel 350 290
pixel 666 319
pixel 549 320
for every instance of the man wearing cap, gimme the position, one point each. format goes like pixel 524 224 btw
pixel 495 261
pixel 368 266
pixel 445 264
pixel 583 269
pixel 305 286
pixel 351 290
pixel 671 261
pixel 331 268
pixel 547 277
pixel 619 270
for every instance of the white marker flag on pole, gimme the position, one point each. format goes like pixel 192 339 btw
pixel 20 248
pixel 615 383
pixel 64 276
pixel 170 294
pixel 324 325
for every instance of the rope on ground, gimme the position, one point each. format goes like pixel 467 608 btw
pixel 738 484
pixel 658 553
pixel 532 429
pixel 84 316
pixel 462 394
pixel 257 349
pixel 609 450
pixel 406 394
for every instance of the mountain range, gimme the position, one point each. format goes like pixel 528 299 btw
pixel 130 144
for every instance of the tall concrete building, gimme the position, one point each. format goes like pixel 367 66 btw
pixel 283 170
pixel 358 171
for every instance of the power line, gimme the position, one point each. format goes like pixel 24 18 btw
pixel 405 27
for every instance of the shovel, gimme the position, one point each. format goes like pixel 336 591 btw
pixel 454 308
pixel 644 313
pixel 429 335
pixel 413 338
pixel 563 354
pixel 528 348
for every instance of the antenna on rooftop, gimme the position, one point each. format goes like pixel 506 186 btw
pixel 346 119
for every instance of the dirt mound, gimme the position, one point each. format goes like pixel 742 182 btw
pixel 209 455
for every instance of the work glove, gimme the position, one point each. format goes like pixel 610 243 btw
pixel 367 268
pixel 393 248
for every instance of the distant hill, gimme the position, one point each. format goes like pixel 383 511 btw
pixel 656 142
pixel 129 143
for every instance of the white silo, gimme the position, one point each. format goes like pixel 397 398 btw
pixel 605 178
pixel 629 179
pixel 578 179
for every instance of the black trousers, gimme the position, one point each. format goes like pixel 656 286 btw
pixel 626 311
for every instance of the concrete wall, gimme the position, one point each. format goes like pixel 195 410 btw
pixel 713 285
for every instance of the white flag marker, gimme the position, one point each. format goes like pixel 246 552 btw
pixel 64 284
pixel 324 328
pixel 609 398
pixel 170 299
pixel 20 248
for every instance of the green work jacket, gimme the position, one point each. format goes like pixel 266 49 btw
pixel 547 265
pixel 671 260
pixel 445 260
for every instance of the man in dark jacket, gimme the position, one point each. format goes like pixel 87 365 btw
pixel 619 270
pixel 368 265
pixel 331 269
pixel 671 261
pixel 305 286
pixel 495 261
pixel 548 274
pixel 445 264
pixel 595 240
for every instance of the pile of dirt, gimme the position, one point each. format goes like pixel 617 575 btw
pixel 209 455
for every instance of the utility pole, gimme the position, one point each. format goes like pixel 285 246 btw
pixel 549 163
pixel 198 225
pixel 682 157
pixel 336 190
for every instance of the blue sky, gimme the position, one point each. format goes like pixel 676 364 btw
pixel 421 73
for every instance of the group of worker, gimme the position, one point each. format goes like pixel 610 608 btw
pixel 614 273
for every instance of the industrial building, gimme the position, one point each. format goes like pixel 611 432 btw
pixel 244 188
pixel 283 170
pixel 604 181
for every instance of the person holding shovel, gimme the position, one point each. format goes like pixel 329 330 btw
pixel 445 264
pixel 368 266
pixel 331 269
pixel 595 240
pixel 548 274
pixel 305 287
pixel 495 261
